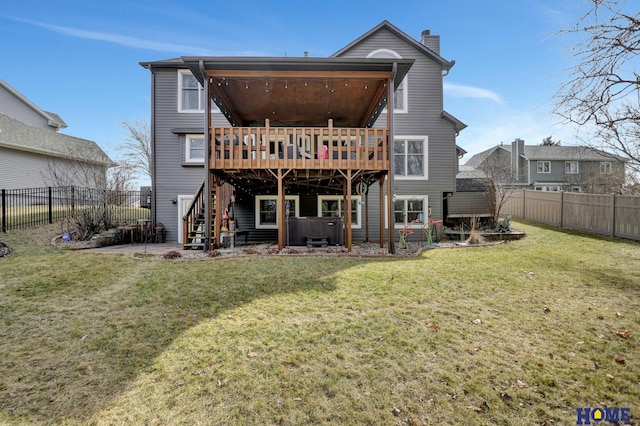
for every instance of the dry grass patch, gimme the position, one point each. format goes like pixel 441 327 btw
pixel 519 333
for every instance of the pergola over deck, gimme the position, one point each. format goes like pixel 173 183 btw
pixel 299 123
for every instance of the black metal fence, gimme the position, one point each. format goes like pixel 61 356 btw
pixel 21 208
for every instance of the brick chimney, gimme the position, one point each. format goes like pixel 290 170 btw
pixel 430 41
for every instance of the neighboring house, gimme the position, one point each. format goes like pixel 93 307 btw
pixel 33 153
pixel 552 168
pixel 304 137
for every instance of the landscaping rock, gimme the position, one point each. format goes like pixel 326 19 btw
pixel 4 250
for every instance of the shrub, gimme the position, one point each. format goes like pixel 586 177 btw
pixel 173 254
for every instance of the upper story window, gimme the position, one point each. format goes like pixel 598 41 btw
pixel 333 206
pixel 605 167
pixel 267 210
pixel 191 94
pixel 544 166
pixel 571 167
pixel 410 157
pixel 400 98
pixel 194 149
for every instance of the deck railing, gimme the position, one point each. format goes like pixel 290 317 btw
pixel 299 147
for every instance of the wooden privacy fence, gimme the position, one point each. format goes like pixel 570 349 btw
pixel 605 214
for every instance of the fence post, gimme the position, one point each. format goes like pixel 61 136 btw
pixel 104 207
pixel 4 210
pixel 524 204
pixel 612 208
pixel 50 205
pixel 73 201
pixel 561 209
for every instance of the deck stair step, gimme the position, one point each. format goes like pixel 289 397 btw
pixel 317 241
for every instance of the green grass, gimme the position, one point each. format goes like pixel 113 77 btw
pixel 113 339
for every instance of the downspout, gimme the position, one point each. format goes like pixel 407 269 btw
pixel 207 181
pixel 154 187
pixel 392 167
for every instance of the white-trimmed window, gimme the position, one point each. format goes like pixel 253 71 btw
pixel 544 166
pixel 401 97
pixel 333 206
pixel 407 208
pixel 571 167
pixel 267 210
pixel 191 94
pixel 605 167
pixel 410 157
pixel 194 149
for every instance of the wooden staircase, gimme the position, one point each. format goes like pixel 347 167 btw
pixel 194 221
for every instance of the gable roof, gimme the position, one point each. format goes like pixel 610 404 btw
pixel 15 134
pixel 567 153
pixel 53 120
pixel 477 159
pixel 548 153
pixel 446 65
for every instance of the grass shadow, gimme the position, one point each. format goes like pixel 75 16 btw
pixel 78 328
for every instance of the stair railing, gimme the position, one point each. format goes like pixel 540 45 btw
pixel 194 213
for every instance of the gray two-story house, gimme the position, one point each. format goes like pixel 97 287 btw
pixel 253 145
pixel 554 167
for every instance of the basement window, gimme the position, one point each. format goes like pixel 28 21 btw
pixel 267 210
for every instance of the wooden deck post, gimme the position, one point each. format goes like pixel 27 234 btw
pixel 347 211
pixel 218 210
pixel 280 208
pixel 366 215
pixel 382 211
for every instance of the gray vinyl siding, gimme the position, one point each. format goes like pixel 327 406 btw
pixel 557 172
pixel 21 169
pixel 469 203
pixel 16 108
pixel 587 171
pixel 172 177
pixel 425 106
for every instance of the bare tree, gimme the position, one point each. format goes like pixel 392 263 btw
pixel 499 180
pixel 136 150
pixel 84 166
pixel 603 93
pixel 119 178
pixel 595 182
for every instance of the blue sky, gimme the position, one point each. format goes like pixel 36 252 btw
pixel 81 59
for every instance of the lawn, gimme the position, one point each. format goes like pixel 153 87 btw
pixel 519 333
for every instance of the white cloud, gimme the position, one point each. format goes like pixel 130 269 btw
pixel 122 40
pixel 461 91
